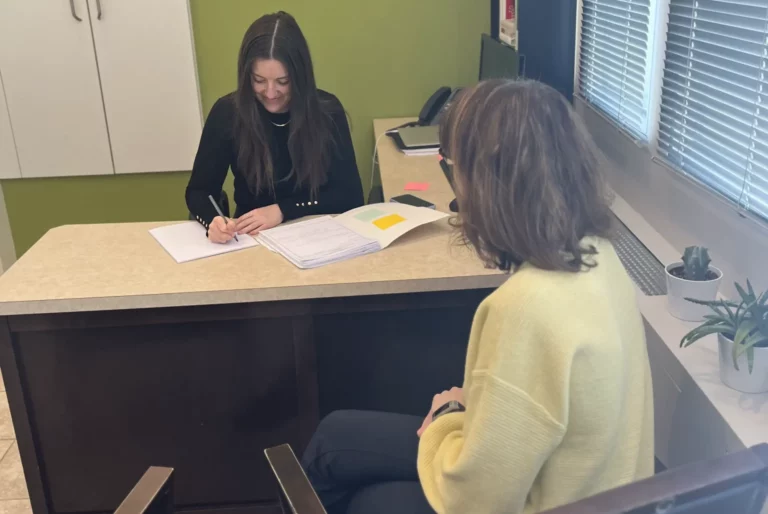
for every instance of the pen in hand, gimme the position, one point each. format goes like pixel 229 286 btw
pixel 218 210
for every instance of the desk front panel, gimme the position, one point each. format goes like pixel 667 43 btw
pixel 99 397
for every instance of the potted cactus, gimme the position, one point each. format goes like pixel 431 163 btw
pixel 742 331
pixel 695 278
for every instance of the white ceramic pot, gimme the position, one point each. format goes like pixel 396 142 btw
pixel 741 379
pixel 678 289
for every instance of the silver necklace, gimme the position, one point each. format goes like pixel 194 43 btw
pixel 280 124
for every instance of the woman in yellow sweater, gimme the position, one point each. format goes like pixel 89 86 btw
pixel 556 403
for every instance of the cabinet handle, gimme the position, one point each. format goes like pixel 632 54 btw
pixel 72 8
pixel 98 9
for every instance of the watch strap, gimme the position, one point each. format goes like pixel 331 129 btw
pixel 447 408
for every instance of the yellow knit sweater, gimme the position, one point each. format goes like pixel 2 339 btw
pixel 558 394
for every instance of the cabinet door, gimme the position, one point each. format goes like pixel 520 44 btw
pixel 52 88
pixel 149 79
pixel 9 163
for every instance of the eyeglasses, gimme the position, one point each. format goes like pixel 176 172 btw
pixel 444 157
pixel 447 166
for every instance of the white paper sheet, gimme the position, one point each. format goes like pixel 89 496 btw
pixel 187 242
pixel 385 222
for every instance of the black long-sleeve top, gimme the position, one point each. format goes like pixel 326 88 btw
pixel 218 150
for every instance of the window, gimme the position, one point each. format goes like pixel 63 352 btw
pixel 706 108
pixel 614 60
pixel 714 98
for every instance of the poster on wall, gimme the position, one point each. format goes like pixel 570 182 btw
pixel 508 22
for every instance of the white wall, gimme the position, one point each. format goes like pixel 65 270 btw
pixel 681 211
pixel 7 250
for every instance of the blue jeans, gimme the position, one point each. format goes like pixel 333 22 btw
pixel 362 462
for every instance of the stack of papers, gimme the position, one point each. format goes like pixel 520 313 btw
pixel 317 242
pixel 421 151
pixel 325 240
pixel 187 242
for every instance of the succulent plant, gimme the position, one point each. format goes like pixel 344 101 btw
pixel 696 263
pixel 744 322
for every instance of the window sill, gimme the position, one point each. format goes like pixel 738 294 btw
pixel 697 416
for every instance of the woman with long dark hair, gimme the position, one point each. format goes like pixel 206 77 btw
pixel 287 142
pixel 556 402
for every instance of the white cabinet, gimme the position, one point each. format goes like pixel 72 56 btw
pixel 9 163
pixel 147 65
pixel 115 92
pixel 52 89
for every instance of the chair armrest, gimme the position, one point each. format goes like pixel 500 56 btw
pixel 297 493
pixel 736 482
pixel 152 494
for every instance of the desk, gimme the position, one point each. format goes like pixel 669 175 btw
pixel 397 170
pixel 116 358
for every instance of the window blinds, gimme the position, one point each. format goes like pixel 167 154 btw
pixel 613 67
pixel 714 101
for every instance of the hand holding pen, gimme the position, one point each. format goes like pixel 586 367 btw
pixel 222 229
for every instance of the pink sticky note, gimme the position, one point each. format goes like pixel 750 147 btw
pixel 417 186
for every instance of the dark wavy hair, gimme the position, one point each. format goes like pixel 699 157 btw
pixel 528 176
pixel 278 36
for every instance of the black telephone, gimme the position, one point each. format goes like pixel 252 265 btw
pixel 432 112
pixel 436 106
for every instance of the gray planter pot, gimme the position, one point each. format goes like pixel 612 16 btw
pixel 741 379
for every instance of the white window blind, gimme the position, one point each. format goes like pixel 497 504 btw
pixel 714 104
pixel 614 62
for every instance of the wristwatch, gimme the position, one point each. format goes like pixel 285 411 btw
pixel 452 406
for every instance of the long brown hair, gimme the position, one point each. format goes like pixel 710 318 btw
pixel 278 36
pixel 527 176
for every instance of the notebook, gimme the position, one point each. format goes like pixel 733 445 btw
pixel 325 240
pixel 187 242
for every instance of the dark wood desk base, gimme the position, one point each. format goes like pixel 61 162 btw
pixel 98 397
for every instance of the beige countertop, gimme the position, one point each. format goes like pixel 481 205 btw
pixel 397 169
pixel 120 266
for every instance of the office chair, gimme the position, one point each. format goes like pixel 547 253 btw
pixel 223 205
pixel 153 494
pixel 735 483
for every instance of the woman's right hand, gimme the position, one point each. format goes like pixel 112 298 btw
pixel 221 230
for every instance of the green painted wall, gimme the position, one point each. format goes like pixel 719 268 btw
pixel 382 58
